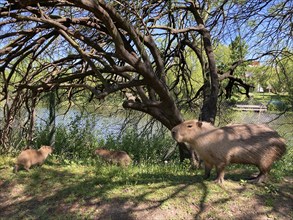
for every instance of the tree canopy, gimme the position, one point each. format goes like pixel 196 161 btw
pixel 139 47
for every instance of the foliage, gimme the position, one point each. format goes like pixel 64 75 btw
pixel 142 148
pixel 223 56
pixel 74 141
pixel 284 166
pixel 239 51
pixel 77 140
pixel 277 105
pixel 284 71
pixel 260 76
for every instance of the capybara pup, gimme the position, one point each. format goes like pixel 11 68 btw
pixel 116 157
pixel 31 157
pixel 239 143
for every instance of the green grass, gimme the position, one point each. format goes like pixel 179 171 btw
pixel 264 98
pixel 143 191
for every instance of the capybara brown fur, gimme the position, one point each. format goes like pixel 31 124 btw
pixel 120 158
pixel 31 157
pixel 239 143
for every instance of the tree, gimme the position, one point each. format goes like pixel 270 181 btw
pixel 284 69
pixel 112 51
pixel 105 47
pixel 239 51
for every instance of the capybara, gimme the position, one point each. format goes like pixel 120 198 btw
pixel 240 143
pixel 116 157
pixel 30 157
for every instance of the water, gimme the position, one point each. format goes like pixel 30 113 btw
pixel 105 125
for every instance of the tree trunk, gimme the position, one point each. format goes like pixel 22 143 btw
pixel 32 119
pixel 211 87
pixel 52 118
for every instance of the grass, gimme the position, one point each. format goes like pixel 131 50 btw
pixel 143 191
pixel 274 102
pixel 266 97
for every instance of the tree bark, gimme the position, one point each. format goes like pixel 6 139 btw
pixel 52 118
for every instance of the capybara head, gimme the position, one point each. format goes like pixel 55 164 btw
pixel 188 130
pixel 46 149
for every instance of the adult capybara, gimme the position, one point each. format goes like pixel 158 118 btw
pixel 30 157
pixel 239 143
pixel 116 157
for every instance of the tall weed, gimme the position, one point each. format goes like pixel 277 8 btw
pixel 77 140
pixel 73 141
pixel 141 147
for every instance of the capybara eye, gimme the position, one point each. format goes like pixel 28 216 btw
pixel 189 126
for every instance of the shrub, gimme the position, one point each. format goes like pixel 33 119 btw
pixel 77 140
pixel 141 147
pixel 73 141
pixel 277 105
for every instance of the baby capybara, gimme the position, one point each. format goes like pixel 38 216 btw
pixel 31 157
pixel 116 157
pixel 240 143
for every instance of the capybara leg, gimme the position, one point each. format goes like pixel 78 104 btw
pixel 194 160
pixel 15 170
pixel 207 167
pixel 27 168
pixel 220 173
pixel 260 178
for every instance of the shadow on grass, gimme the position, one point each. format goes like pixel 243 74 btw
pixel 52 192
pixel 49 193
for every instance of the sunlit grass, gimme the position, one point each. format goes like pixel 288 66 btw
pixel 80 188
pixel 76 191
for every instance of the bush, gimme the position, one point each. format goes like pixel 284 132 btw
pixel 141 147
pixel 276 105
pixel 74 141
pixel 77 141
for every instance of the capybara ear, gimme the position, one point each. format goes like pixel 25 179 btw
pixel 199 124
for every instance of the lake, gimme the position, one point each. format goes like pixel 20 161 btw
pixel 104 124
